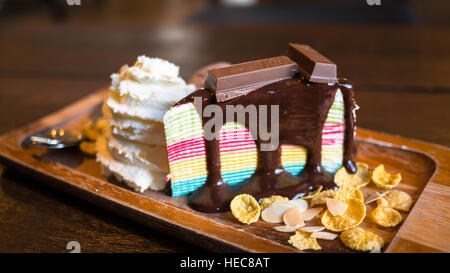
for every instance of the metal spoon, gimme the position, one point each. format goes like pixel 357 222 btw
pixel 55 139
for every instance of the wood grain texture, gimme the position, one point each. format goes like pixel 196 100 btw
pixel 424 167
pixel 400 74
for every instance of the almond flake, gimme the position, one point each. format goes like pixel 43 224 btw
pixel 312 229
pixel 274 213
pixel 336 207
pixel 323 235
pixel 374 197
pixel 293 217
pixel 300 203
pixel 286 228
pixel 311 213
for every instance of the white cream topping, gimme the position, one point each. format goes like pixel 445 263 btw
pixel 124 121
pixel 138 177
pixel 152 157
pixel 148 138
pixel 134 149
pixel 147 89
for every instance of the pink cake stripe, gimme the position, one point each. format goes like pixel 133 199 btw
pixel 333 132
pixel 238 155
pixel 332 141
pixel 185 147
pixel 188 150
pixel 329 128
pixel 184 155
pixel 190 141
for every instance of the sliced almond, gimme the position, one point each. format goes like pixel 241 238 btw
pixel 323 235
pixel 336 207
pixel 374 197
pixel 274 213
pixel 293 217
pixel 286 228
pixel 300 203
pixel 311 213
pixel 312 229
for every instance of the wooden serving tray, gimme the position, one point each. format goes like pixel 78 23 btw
pixel 425 169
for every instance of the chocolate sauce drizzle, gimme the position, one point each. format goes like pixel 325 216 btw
pixel 303 109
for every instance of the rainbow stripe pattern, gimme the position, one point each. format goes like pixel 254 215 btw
pixel 238 155
pixel 333 135
pixel 186 149
pixel 293 157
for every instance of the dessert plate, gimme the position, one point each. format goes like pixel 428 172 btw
pixel 425 169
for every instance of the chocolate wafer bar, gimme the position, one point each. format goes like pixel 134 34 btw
pixel 240 79
pixel 313 66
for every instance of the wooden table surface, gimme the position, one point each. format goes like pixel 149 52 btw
pixel 401 76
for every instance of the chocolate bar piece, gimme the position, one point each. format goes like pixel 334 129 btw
pixel 198 79
pixel 240 79
pixel 312 65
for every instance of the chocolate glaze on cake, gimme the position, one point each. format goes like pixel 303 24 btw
pixel 303 108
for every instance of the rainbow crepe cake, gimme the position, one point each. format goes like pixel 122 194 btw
pixel 297 98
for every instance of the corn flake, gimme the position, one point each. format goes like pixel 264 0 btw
pixel 383 203
pixel 87 147
pixel 385 216
pixel 385 180
pixel 92 131
pixel 312 194
pixel 266 202
pixel 101 124
pixel 302 241
pixel 245 208
pixel 359 179
pixel 346 192
pixel 352 217
pixel 321 197
pixel 92 134
pixel 361 240
pixel 395 199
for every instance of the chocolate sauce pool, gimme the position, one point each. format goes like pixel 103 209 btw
pixel 303 109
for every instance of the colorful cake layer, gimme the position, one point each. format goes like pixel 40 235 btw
pixel 307 110
pixel 238 157
pixel 186 149
pixel 238 154
pixel 333 135
pixel 293 158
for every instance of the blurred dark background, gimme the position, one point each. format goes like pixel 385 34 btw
pixel 52 53
pixel 62 51
pixel 237 11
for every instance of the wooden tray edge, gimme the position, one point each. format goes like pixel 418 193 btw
pixel 409 237
pixel 10 144
pixel 416 235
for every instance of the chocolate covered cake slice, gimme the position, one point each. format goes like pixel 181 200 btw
pixel 277 126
